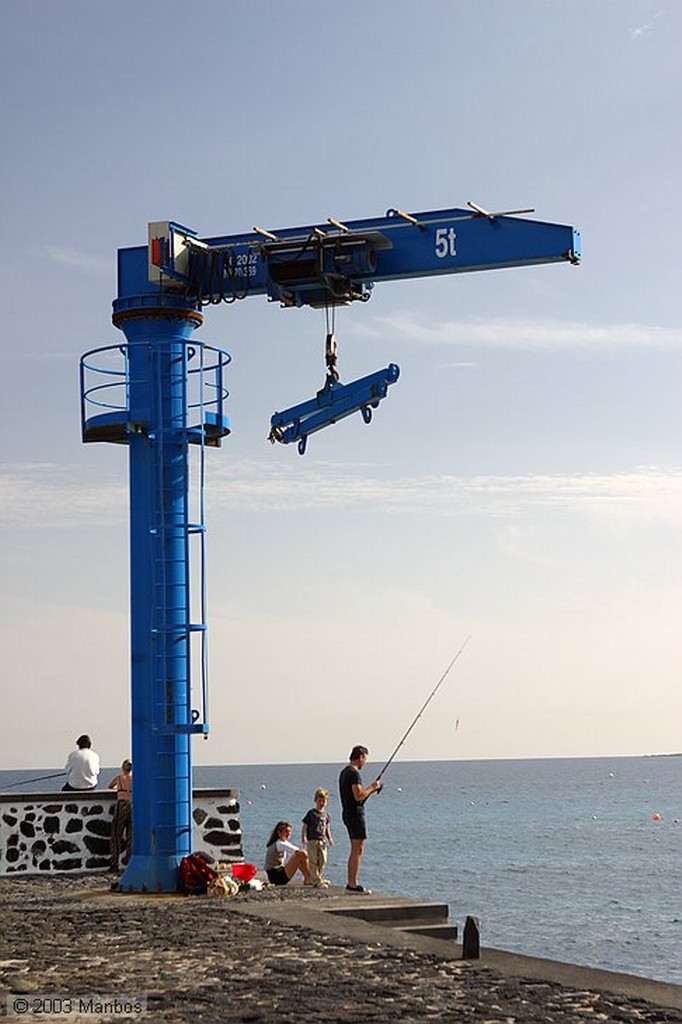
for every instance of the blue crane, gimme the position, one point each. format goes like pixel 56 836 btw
pixel 162 392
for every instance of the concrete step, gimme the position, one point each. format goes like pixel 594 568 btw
pixel 433 931
pixel 389 912
pixel 402 915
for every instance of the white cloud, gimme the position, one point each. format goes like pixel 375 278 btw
pixel 525 334
pixel 645 30
pixel 49 495
pixel 646 492
pixel 75 259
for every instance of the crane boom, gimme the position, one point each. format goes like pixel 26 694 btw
pixel 336 262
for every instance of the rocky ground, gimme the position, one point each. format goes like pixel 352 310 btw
pixel 197 959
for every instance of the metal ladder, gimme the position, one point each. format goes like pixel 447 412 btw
pixel 173 625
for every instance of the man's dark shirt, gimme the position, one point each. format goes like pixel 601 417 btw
pixel 349 777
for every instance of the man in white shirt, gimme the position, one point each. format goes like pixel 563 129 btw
pixel 82 766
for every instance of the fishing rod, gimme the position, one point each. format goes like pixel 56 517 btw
pixel 424 706
pixel 41 778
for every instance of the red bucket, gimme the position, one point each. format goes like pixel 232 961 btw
pixel 244 872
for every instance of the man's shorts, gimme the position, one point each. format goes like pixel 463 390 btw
pixel 356 825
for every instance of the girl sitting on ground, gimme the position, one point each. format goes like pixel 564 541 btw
pixel 283 859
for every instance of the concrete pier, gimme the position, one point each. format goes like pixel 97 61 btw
pixel 286 955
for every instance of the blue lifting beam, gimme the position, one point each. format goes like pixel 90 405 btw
pixel 332 403
pixel 166 394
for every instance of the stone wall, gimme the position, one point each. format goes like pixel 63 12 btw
pixel 70 832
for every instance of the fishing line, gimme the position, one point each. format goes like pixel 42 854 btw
pixel 40 778
pixel 424 706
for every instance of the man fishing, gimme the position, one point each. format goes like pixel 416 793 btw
pixel 82 766
pixel 353 795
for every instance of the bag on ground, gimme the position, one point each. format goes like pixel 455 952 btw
pixel 195 875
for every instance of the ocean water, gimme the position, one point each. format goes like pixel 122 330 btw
pixel 558 858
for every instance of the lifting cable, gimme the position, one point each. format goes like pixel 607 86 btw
pixel 330 347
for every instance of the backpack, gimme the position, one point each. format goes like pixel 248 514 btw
pixel 195 874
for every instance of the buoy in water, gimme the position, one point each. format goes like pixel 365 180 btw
pixel 656 816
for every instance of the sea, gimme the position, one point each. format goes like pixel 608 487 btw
pixel 576 859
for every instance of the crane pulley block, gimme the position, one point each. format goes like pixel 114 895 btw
pixel 333 402
pixel 324 269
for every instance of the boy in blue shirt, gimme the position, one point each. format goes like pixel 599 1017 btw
pixel 316 834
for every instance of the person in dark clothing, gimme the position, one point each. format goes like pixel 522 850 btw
pixel 353 795
pixel 121 825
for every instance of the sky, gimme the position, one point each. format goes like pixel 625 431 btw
pixel 522 483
